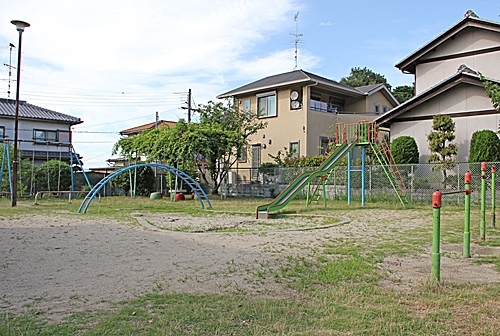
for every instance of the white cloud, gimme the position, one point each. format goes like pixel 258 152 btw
pixel 78 57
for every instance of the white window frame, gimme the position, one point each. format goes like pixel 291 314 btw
pixel 45 138
pixel 323 150
pixel 2 132
pixel 297 153
pixel 259 108
pixel 243 154
pixel 246 105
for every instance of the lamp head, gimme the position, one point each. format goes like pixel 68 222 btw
pixel 20 25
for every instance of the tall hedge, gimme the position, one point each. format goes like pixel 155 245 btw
pixel 405 150
pixel 484 146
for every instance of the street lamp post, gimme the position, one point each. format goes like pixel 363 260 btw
pixel 20 25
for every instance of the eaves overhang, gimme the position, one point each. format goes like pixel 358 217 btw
pixel 409 63
pixel 458 78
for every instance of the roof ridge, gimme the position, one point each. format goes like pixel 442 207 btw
pixel 464 68
pixel 470 13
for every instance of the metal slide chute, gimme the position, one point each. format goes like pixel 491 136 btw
pixel 298 184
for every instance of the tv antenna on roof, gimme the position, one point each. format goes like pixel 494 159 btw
pixel 10 67
pixel 297 38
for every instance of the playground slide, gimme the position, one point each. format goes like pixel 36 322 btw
pixel 296 186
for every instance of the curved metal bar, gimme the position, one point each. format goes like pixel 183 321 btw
pixel 185 177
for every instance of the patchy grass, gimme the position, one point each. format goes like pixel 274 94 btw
pixel 334 289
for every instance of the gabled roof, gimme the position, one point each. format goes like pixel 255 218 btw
pixel 463 75
pixel 138 129
pixel 295 77
pixel 28 111
pixel 371 89
pixel 470 19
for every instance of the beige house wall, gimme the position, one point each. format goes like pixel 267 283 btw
pixel 318 124
pixel 463 98
pixel 465 127
pixel 305 125
pixel 379 99
pixel 287 126
pixel 428 74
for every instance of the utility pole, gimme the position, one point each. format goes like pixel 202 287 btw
pixel 10 67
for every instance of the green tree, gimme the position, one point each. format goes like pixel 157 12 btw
pixel 24 172
pixel 492 91
pixel 53 175
pixel 143 177
pixel 212 145
pixel 404 149
pixel 484 146
pixel 403 93
pixel 364 76
pixel 442 150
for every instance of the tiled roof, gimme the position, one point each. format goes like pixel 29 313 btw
pixel 463 75
pixel 409 63
pixel 288 78
pixel 138 129
pixel 368 88
pixel 29 111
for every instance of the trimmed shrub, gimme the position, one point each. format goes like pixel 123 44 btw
pixel 484 146
pixel 405 150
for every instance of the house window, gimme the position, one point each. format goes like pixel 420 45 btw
pixel 2 132
pixel 377 108
pixel 242 157
pixel 335 105
pixel 384 109
pixel 246 105
pixel 45 135
pixel 323 145
pixel 266 104
pixel 294 149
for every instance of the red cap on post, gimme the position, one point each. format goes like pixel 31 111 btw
pixel 483 165
pixel 436 199
pixel 467 177
pixel 493 169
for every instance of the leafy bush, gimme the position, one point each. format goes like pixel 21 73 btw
pixel 405 150
pixel 53 175
pixel 311 161
pixel 484 146
pixel 24 173
pixel 421 183
pixel 145 180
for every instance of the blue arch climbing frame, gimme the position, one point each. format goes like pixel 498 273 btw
pixel 195 186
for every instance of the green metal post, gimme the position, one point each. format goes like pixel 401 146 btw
pixel 308 196
pixel 493 196
pixel 436 232
pixel 468 191
pixel 324 191
pixel 482 225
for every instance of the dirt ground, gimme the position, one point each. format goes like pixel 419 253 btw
pixel 67 263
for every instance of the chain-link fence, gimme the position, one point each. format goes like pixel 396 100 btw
pixel 421 180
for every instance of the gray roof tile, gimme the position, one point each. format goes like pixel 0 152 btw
pixel 288 78
pixel 8 108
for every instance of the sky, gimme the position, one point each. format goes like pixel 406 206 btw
pixel 116 63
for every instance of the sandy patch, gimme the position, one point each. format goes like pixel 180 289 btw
pixel 66 263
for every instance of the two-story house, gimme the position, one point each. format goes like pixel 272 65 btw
pixel 447 82
pixel 300 109
pixel 43 134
